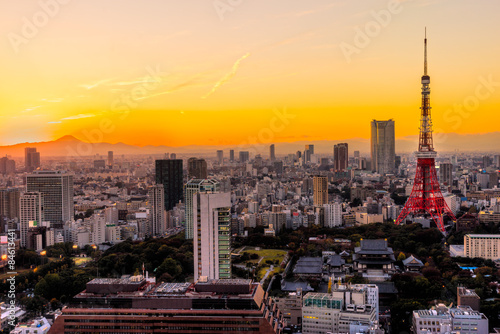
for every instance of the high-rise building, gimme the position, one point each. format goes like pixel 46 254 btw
pixel 341 156
pixel 496 161
pixel 7 166
pixel 156 205
pixel 30 209
pixel 197 168
pixel 446 174
pixel 212 235
pixel 99 164
pixel 193 187
pixel 383 147
pixel 272 154
pixel 231 155
pixel 31 159
pixel 278 167
pixel 333 214
pixel 173 156
pixel 397 161
pixel 486 161
pixel 110 159
pixel 278 221
pixel 9 203
pixel 57 190
pixel 170 174
pixel 320 190
pixel 244 156
pixel 308 152
pixel 220 157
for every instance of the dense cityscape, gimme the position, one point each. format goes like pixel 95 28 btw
pixel 265 236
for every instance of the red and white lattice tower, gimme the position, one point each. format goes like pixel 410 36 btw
pixel 426 198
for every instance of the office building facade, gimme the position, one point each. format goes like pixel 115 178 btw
pixel 156 206
pixel 30 210
pixel 341 156
pixel 169 173
pixel 446 174
pixel 31 159
pixel 320 190
pixel 57 190
pixel 220 157
pixel 383 146
pixel 193 187
pixel 486 246
pixel 197 168
pixel 212 235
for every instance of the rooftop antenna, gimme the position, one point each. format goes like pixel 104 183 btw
pixel 425 51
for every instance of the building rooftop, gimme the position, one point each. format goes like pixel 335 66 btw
pixel 412 262
pixel 496 236
pixel 309 265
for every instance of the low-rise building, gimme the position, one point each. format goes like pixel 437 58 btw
pixel 486 246
pixel 342 311
pixel 411 263
pixel 442 319
pixel 36 326
pixel 374 260
pixel 137 304
pixel 467 297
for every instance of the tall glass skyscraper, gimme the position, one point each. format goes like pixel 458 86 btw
pixel 383 146
pixel 170 174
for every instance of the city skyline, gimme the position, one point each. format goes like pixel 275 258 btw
pixel 208 63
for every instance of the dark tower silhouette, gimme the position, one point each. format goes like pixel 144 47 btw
pixel 169 173
pixel 426 198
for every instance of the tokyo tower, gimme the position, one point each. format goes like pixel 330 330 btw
pixel 426 198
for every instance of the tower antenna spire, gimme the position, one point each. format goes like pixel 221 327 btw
pixel 425 51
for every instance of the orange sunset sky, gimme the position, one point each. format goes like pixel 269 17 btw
pixel 205 72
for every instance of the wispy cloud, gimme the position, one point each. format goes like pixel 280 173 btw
pixel 135 82
pixel 79 116
pixel 70 118
pixel 30 109
pixel 187 84
pixel 96 84
pixel 228 76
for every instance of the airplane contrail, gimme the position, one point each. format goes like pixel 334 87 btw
pixel 228 76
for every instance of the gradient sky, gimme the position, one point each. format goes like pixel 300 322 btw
pixel 218 74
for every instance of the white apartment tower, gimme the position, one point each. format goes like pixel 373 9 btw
pixel 30 209
pixel 333 214
pixel 156 211
pixel 195 186
pixel 212 235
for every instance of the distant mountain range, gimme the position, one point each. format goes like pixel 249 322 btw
pixel 71 146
